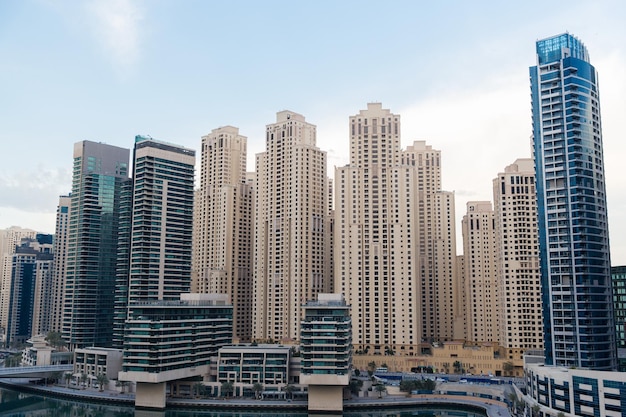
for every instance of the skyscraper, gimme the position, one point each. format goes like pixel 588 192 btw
pixel 10 239
pixel 98 173
pixel 571 201
pixel 31 277
pixel 517 255
pixel 60 262
pixel 292 233
pixel 392 263
pixel 222 258
pixel 162 219
pixel 481 273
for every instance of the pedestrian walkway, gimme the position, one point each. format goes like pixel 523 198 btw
pixel 493 408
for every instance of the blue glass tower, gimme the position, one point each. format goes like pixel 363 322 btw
pixel 571 199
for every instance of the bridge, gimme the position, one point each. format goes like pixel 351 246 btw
pixel 34 371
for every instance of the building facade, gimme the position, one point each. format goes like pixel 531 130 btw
pixel 31 273
pixel 618 277
pixel 577 392
pixel 394 238
pixel 223 226
pixel 156 225
pixel 167 340
pixel 98 173
pixel 517 253
pixel 61 234
pixel 571 202
pixel 482 287
pixel 10 239
pixel 292 233
pixel 326 348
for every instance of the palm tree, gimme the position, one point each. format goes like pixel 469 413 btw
pixel 380 388
pixel 535 408
pixel 121 384
pixel 371 367
pixel 54 377
pixel 289 389
pixel 257 387
pixel 457 367
pixel 198 388
pixel 102 381
pixel 227 388
pixel 446 367
pixel 83 379
pixel 68 377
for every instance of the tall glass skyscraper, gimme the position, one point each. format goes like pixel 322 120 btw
pixel 571 202
pixel 98 174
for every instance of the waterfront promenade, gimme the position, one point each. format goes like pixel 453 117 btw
pixel 492 408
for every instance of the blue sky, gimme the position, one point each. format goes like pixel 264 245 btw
pixel 456 72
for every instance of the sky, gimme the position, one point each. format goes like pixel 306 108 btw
pixel 455 71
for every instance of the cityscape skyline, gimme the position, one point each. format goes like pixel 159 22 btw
pixel 88 91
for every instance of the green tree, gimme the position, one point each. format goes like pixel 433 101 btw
pixel 289 389
pixel 380 388
pixel 13 360
pixel 102 381
pixel 198 389
pixel 429 384
pixel 68 377
pixel 83 379
pixel 56 340
pixel 54 377
pixel 122 385
pixel 457 367
pixel 357 372
pixel 407 385
pixel 535 409
pixel 227 388
pixel 508 367
pixel 355 385
pixel 371 367
pixel 257 387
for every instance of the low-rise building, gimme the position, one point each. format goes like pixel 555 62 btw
pixel 579 392
pixel 452 357
pixel 173 340
pixel 39 353
pixel 94 361
pixel 271 366
pixel 326 346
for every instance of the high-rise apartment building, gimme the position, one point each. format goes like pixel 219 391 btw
pixel 98 173
pixel 571 201
pixel 292 233
pixel 618 277
pixel 157 228
pixel 481 273
pixel 31 278
pixel 60 262
pixel 10 239
pixel 517 252
pixel 392 263
pixel 436 244
pixel 223 228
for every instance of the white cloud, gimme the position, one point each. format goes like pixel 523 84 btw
pixel 117 26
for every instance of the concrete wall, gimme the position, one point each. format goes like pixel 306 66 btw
pixel 150 395
pixel 325 398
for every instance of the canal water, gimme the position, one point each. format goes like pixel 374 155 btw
pixel 18 404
